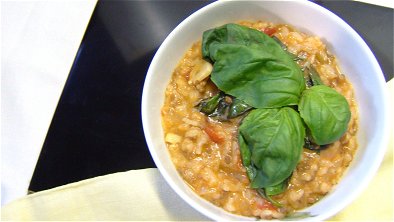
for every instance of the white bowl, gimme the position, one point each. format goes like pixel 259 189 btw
pixel 356 61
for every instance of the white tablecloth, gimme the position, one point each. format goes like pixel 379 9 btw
pixel 39 41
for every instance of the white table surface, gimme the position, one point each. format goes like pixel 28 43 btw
pixel 39 41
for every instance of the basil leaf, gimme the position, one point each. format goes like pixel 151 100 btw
pixel 276 189
pixel 222 109
pixel 271 143
pixel 252 67
pixel 325 112
pixel 315 77
pixel 263 193
pixel 209 105
pixel 246 155
pixel 232 34
pixel 237 108
pixel 312 77
pixel 309 144
pixel 284 47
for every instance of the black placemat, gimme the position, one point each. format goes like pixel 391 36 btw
pixel 97 129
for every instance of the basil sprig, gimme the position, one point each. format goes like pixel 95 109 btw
pixel 260 75
pixel 250 66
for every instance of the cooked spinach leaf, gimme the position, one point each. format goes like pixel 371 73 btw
pixel 312 77
pixel 252 67
pixel 309 144
pixel 209 105
pixel 266 150
pixel 237 108
pixel 325 112
pixel 223 107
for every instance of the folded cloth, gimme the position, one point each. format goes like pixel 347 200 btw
pixel 144 195
pixel 132 195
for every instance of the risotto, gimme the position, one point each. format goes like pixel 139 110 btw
pixel 206 149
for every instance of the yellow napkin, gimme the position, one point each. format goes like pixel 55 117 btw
pixel 132 195
pixel 144 195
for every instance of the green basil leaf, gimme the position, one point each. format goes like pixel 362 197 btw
pixel 325 112
pixel 284 47
pixel 252 67
pixel 312 77
pixel 315 77
pixel 237 108
pixel 246 155
pixel 209 105
pixel 232 34
pixel 274 139
pixel 222 109
pixel 276 189
pixel 262 193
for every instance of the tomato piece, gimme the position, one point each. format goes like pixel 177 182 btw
pixel 213 135
pixel 267 206
pixel 269 31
